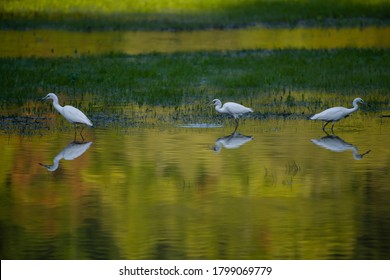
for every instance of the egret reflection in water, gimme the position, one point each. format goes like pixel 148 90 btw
pixel 231 141
pixel 336 144
pixel 70 152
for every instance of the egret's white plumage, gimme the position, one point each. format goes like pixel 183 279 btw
pixel 335 114
pixel 231 141
pixel 231 108
pixel 70 113
pixel 70 152
pixel 336 144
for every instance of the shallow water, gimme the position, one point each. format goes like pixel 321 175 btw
pixel 197 191
pixel 49 43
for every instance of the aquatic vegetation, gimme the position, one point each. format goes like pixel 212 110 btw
pixel 146 90
pixel 170 78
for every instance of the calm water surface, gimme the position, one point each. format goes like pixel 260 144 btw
pixel 276 189
pixel 49 43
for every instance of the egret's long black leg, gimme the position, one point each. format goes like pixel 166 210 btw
pixel 81 133
pixel 323 127
pixel 74 140
pixel 235 129
pixel 332 128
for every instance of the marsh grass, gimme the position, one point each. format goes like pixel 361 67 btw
pixel 132 91
pixel 192 14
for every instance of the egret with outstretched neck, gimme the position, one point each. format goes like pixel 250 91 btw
pixel 70 113
pixel 334 114
pixel 231 108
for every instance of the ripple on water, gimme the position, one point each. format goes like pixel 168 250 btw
pixel 201 125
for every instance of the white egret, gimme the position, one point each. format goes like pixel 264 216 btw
pixel 231 108
pixel 336 144
pixel 231 141
pixel 336 113
pixel 70 152
pixel 70 113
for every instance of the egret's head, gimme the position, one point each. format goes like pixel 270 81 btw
pixel 359 157
pixel 49 167
pixel 49 96
pixel 218 146
pixel 359 100
pixel 217 102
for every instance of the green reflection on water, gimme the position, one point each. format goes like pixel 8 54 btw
pixel 47 43
pixel 163 193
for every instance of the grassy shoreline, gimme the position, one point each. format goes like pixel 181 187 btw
pixel 88 15
pixel 142 90
pixel 171 79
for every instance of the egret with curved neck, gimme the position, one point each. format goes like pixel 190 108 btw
pixel 70 113
pixel 70 152
pixel 231 108
pixel 336 144
pixel 334 114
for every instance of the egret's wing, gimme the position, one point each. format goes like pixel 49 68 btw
pixel 331 114
pixel 74 115
pixel 333 143
pixel 235 140
pixel 236 109
pixel 74 150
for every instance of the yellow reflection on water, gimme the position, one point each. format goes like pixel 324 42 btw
pixel 46 43
pixel 158 193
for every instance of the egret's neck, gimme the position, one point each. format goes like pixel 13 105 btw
pixel 56 160
pixel 355 106
pixel 54 167
pixel 219 108
pixel 356 154
pixel 56 104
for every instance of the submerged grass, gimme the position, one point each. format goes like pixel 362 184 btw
pixel 119 88
pixel 192 14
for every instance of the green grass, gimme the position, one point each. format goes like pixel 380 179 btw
pixel 174 79
pixel 191 14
